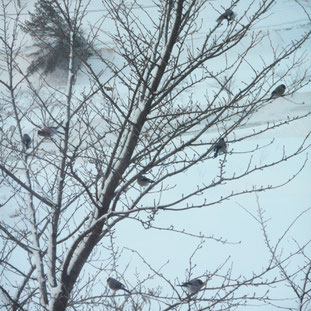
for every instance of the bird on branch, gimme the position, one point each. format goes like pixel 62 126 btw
pixel 220 147
pixel 278 91
pixel 116 285
pixel 228 15
pixel 193 286
pixel 144 181
pixel 49 131
pixel 26 140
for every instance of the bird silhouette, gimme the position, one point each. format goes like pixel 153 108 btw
pixel 278 91
pixel 193 286
pixel 26 140
pixel 144 181
pixel 220 147
pixel 227 15
pixel 49 131
pixel 116 285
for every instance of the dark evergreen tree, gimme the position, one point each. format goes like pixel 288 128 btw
pixel 51 34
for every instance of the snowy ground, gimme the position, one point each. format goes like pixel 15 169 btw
pixel 229 220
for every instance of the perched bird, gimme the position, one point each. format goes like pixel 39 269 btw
pixel 278 91
pixel 26 140
pixel 116 285
pixel 49 131
pixel 144 181
pixel 227 15
pixel 193 286
pixel 220 147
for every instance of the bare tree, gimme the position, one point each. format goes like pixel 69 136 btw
pixel 297 279
pixel 74 185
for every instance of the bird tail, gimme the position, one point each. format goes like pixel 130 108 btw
pixel 126 290
pixel 219 19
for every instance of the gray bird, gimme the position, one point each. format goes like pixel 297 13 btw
pixel 49 131
pixel 116 285
pixel 220 147
pixel 193 286
pixel 144 181
pixel 26 140
pixel 278 91
pixel 227 15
